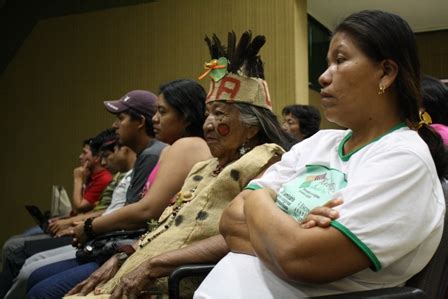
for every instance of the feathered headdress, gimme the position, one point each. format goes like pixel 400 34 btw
pixel 237 71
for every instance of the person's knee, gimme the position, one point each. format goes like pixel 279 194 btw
pixel 39 291
pixel 12 244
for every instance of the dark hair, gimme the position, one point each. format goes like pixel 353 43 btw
pixel 435 99
pixel 135 115
pixel 270 129
pixel 99 141
pixel 188 98
pixel 308 117
pixel 109 146
pixel 381 35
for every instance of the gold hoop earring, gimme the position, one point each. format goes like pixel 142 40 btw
pixel 381 89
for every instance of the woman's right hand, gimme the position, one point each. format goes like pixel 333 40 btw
pixel 97 279
pixel 322 216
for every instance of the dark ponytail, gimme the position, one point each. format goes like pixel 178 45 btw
pixel 437 148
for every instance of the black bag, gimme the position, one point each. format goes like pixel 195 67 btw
pixel 35 246
pixel 104 246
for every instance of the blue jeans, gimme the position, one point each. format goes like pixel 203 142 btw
pixel 35 230
pixel 55 280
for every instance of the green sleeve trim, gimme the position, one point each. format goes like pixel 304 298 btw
pixel 253 187
pixel 376 265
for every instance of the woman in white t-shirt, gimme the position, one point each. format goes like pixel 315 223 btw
pixel 386 168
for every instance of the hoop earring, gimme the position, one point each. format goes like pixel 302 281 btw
pixel 381 89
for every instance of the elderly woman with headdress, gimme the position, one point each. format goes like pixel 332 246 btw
pixel 385 167
pixel 244 136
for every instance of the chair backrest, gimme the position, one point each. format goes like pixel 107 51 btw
pixel 433 278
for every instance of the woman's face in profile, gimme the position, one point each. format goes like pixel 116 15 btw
pixel 168 125
pixel 350 83
pixel 223 129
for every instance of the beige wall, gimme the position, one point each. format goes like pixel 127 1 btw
pixel 53 89
pixel 433 53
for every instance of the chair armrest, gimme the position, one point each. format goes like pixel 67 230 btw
pixel 203 269
pixel 185 271
pixel 388 293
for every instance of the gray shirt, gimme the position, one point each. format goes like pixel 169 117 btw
pixel 146 160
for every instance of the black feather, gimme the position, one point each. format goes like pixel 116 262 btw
pixel 231 42
pixel 240 52
pixel 210 47
pixel 256 45
pixel 260 68
pixel 209 44
pixel 251 66
pixel 243 57
pixel 219 47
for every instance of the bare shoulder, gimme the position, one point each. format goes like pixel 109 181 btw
pixel 190 143
pixel 164 151
pixel 192 148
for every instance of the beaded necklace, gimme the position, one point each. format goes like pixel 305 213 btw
pixel 170 212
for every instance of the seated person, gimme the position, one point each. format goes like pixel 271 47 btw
pixel 384 168
pixel 92 180
pixel 177 121
pixel 239 129
pixel 119 161
pixel 301 121
pixel 435 102
pixel 111 153
pixel 59 227
pixel 91 177
pixel 133 129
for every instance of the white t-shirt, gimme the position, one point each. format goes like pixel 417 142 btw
pixel 119 194
pixel 393 211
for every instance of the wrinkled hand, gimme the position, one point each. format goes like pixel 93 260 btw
pixel 79 237
pixel 97 279
pixel 322 216
pixel 133 283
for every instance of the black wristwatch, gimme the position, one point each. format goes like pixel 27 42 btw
pixel 88 229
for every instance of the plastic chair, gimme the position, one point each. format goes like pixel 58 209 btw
pixel 185 271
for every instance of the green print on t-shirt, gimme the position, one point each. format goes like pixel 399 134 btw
pixel 312 188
